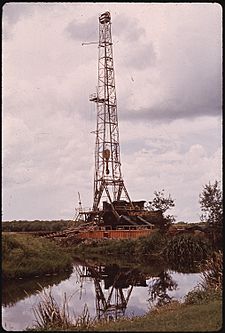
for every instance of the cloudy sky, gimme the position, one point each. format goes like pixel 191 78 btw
pixel 168 68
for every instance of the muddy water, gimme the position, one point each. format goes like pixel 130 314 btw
pixel 107 290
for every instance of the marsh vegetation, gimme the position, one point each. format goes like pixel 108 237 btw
pixel 26 256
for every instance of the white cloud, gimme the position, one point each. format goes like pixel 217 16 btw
pixel 48 151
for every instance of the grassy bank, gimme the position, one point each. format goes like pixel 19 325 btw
pixel 182 252
pixel 25 256
pixel 172 318
pixel 128 248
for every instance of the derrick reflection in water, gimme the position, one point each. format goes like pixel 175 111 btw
pixel 117 281
pixel 129 286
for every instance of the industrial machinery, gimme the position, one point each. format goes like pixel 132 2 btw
pixel 112 206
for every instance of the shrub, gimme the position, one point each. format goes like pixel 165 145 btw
pixel 211 286
pixel 9 244
pixel 201 296
pixel 212 276
pixel 186 251
pixel 146 245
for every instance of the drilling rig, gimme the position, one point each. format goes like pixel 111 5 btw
pixel 112 206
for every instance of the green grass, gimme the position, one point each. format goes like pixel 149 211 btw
pixel 25 256
pixel 129 248
pixel 182 253
pixel 172 318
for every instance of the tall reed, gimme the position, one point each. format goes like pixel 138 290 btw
pixel 210 287
pixel 50 315
pixel 186 251
pixel 212 276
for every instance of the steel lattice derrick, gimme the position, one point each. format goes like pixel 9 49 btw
pixel 108 176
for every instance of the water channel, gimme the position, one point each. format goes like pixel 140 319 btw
pixel 110 290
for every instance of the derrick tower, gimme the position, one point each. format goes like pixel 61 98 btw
pixel 112 206
pixel 108 179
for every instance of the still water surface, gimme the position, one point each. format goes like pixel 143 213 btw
pixel 107 290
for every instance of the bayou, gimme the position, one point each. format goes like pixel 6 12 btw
pixel 26 255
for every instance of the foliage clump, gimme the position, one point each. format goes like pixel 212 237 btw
pixel 212 276
pixel 183 251
pixel 210 288
pixel 211 201
pixel 162 203
pixel 150 244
